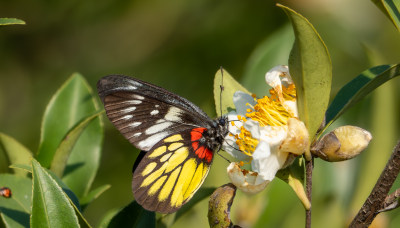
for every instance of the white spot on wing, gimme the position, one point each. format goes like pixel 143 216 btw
pixel 134 102
pixel 154 112
pixel 173 114
pixel 129 109
pixel 160 121
pixel 137 134
pixel 157 106
pixel 158 128
pixel 126 117
pixel 149 142
pixel 138 97
pixel 135 124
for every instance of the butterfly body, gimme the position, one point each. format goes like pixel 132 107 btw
pixel 178 138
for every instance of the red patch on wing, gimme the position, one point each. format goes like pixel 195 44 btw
pixel 201 151
pixel 6 192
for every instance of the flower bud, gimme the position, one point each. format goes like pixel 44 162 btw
pixel 341 144
pixel 219 206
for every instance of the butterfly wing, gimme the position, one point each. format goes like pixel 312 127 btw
pixel 168 176
pixel 169 127
pixel 145 113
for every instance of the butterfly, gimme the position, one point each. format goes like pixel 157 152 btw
pixel 176 138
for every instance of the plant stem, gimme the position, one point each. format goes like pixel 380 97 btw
pixel 309 169
pixel 376 200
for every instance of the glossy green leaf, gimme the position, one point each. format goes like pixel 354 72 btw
pixel 24 167
pixel 71 195
pixel 65 188
pixel 383 108
pixel 73 102
pixel 311 69
pixel 13 152
pixel 133 215
pixel 272 52
pixel 294 176
pixel 391 8
pixel 92 195
pixel 358 88
pixel 11 21
pixel 224 100
pixel 83 223
pixel 15 211
pixel 50 205
pixel 65 148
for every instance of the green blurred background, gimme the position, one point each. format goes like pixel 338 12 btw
pixel 179 45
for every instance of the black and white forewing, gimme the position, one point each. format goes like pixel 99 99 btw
pixel 145 113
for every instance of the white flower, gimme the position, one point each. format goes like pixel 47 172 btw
pixel 265 132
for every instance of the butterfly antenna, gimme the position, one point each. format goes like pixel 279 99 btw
pixel 223 156
pixel 234 147
pixel 222 89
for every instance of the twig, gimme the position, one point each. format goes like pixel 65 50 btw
pixel 309 169
pixel 376 199
pixel 391 201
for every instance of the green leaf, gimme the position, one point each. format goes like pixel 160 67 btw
pixel 311 69
pixel 94 194
pixel 294 176
pixel 83 223
pixel 13 152
pixel 15 210
pixel 65 148
pixel 72 103
pixel 11 21
pixel 358 88
pixel 391 9
pixel 65 188
pixel 71 195
pixel 133 215
pixel 272 52
pixel 24 167
pixel 50 205
pixel 224 103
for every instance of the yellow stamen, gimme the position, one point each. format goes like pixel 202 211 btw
pixel 247 144
pixel 268 111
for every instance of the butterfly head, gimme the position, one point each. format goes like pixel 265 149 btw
pixel 217 133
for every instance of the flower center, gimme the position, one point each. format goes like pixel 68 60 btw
pixel 268 111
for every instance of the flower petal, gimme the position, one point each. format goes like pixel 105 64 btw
pixel 277 76
pixel 229 145
pixel 291 107
pixel 297 140
pixel 253 127
pixel 247 181
pixel 273 135
pixel 267 164
pixel 240 99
